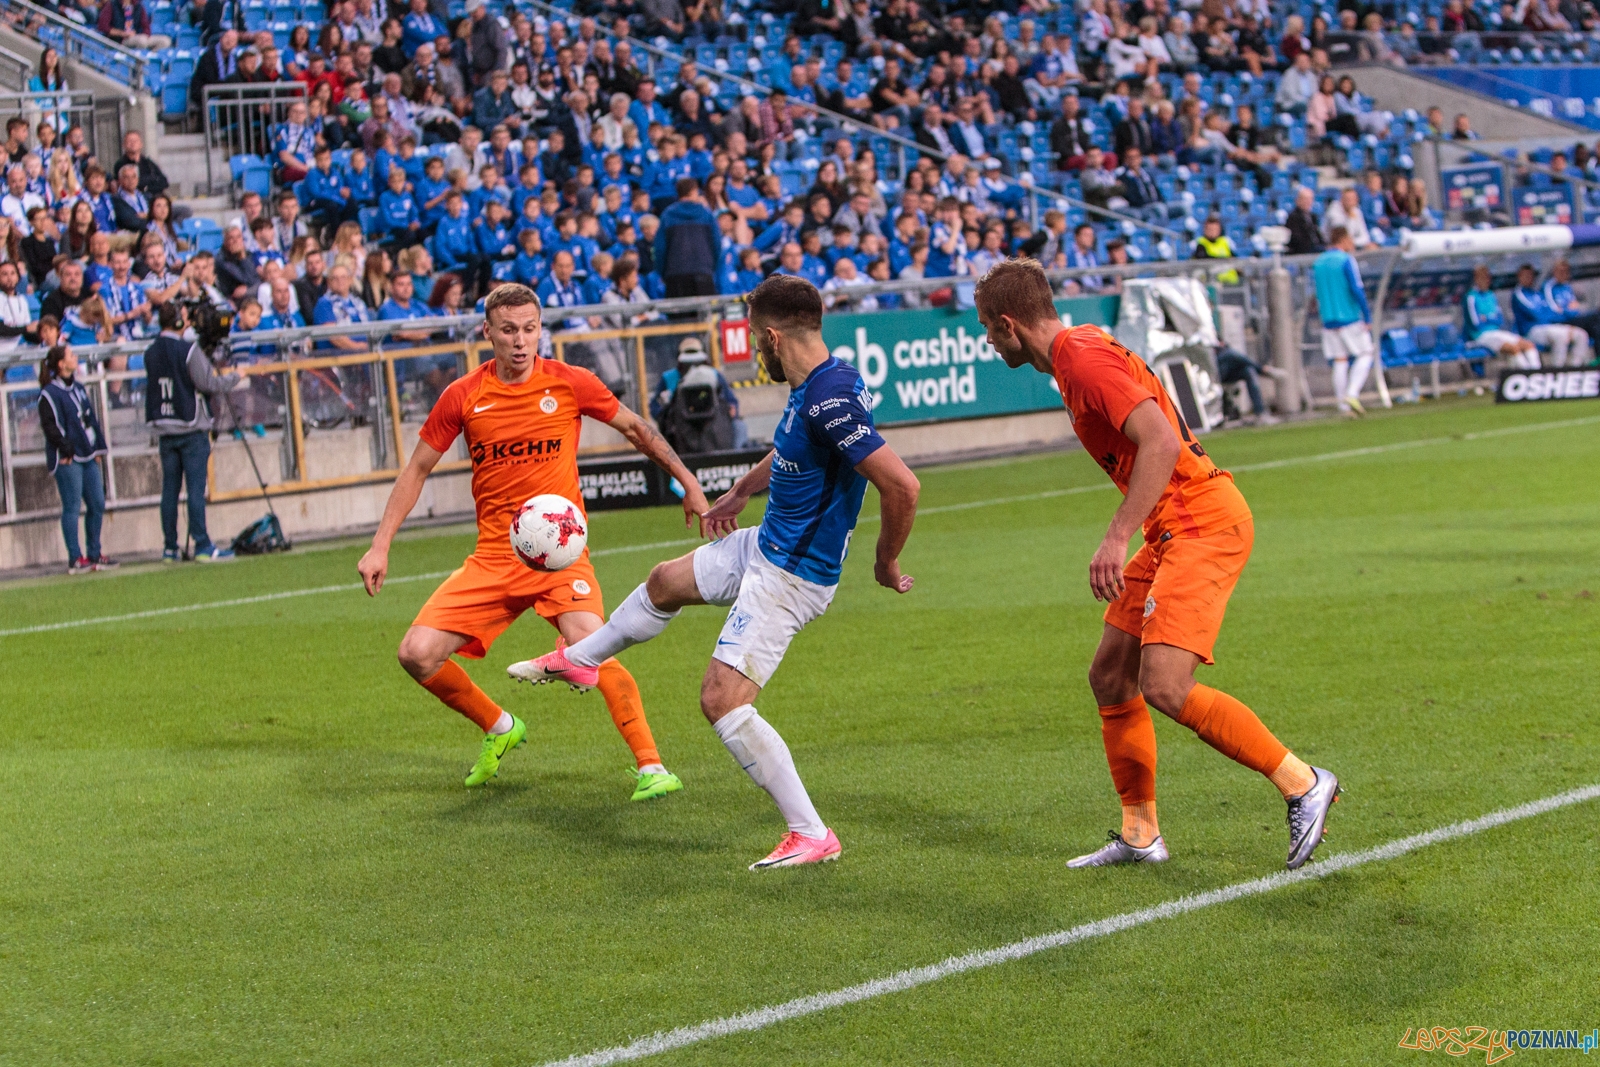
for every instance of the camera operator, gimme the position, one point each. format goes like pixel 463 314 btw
pixel 180 388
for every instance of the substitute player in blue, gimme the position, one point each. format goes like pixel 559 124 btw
pixel 1346 333
pixel 777 576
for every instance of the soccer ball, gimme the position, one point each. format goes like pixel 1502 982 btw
pixel 549 532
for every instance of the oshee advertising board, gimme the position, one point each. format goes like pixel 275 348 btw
pixel 1524 386
pixel 926 366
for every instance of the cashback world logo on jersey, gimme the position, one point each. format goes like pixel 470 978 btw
pixel 922 366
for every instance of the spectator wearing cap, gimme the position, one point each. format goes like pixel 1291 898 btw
pixel 691 354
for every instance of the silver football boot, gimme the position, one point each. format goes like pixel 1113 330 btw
pixel 1117 851
pixel 1307 814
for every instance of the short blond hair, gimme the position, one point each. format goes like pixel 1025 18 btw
pixel 510 295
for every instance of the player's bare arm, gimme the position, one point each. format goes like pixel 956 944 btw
pixel 723 517
pixel 374 564
pixel 649 442
pixel 1153 465
pixel 897 491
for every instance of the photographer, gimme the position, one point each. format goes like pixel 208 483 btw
pixel 177 400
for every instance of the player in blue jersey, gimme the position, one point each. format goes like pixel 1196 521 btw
pixel 777 576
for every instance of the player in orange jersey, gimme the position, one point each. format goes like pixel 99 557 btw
pixel 521 416
pixel 1167 602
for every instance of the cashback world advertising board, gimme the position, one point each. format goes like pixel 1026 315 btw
pixel 934 365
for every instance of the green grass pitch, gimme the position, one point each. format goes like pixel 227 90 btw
pixel 239 836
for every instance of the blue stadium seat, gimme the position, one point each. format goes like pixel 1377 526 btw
pixel 1426 339
pixel 1398 348
pixel 369 218
pixel 175 98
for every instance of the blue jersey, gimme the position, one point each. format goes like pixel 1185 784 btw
pixel 362 190
pixel 397 210
pixel 1341 296
pixel 815 493
pixel 1529 308
pixel 1480 312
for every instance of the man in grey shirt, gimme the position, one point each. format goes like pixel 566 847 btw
pixel 179 391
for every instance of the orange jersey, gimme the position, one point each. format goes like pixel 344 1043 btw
pixel 523 439
pixel 1101 383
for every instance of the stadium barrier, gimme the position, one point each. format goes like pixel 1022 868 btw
pixel 238 121
pixel 100 116
pixel 343 423
pixel 77 40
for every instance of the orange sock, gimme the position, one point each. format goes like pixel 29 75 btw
pixel 1232 729
pixel 1130 740
pixel 456 690
pixel 1293 776
pixel 627 711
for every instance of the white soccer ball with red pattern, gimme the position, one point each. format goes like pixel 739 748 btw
pixel 549 532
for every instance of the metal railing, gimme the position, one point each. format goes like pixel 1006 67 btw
pixel 65 109
pixel 76 40
pixel 15 70
pixel 331 418
pixel 239 120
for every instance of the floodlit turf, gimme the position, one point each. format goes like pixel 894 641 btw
pixel 238 835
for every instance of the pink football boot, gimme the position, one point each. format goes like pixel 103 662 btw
pixel 796 849
pixel 555 667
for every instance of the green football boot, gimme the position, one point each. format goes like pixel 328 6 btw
pixel 655 784
pixel 495 747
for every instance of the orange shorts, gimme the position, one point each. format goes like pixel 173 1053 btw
pixel 1177 590
pixel 484 596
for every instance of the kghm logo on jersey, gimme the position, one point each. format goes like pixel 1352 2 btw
pixel 504 451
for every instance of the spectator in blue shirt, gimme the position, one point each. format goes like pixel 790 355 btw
pixel 329 197
pixel 531 264
pixel 494 243
pixel 559 290
pixel 418 28
pixel 359 176
pixel 454 247
pixel 397 210
pixel 431 192
pixel 340 305
pixel 403 304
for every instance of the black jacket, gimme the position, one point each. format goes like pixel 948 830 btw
pixel 152 179
pixel 1133 133
pixel 208 72
pixel 308 293
pixel 1069 139
pixel 39 253
pixel 57 302
pixel 1304 237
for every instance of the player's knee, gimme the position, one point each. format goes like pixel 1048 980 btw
pixel 659 585
pixel 1110 682
pixel 415 658
pixel 1165 690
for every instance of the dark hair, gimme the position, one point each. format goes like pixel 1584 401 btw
pixel 44 75
pixel 687 187
pixel 1017 288
pixel 786 302
pixel 1337 235
pixel 51 364
pixel 170 315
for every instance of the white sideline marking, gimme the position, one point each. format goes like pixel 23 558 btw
pixel 1048 494
pixel 287 594
pixel 762 1018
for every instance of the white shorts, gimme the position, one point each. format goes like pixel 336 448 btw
pixel 770 605
pixel 1354 340
pixel 1495 340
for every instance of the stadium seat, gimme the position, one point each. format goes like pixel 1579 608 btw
pixel 1398 348
pixel 369 218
